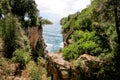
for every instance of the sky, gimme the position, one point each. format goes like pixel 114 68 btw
pixel 56 9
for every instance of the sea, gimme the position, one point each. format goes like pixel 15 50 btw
pixel 53 37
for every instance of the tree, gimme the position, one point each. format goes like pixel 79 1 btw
pixel 4 7
pixel 46 21
pixel 24 8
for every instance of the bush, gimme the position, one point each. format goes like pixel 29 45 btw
pixel 34 74
pixel 9 34
pixel 35 71
pixel 71 52
pixel 86 42
pixel 21 57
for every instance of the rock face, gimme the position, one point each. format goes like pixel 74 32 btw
pixel 36 41
pixel 34 35
pixel 88 61
pixel 66 38
pixel 88 66
pixel 1 46
pixel 58 68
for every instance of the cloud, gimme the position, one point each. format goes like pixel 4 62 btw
pixel 60 8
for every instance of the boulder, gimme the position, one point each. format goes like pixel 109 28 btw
pixel 88 66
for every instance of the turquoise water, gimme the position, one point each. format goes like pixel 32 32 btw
pixel 53 37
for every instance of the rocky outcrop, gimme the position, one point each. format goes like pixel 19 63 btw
pixel 88 66
pixel 58 68
pixel 36 41
pixel 66 38
pixel 1 47
pixel 34 35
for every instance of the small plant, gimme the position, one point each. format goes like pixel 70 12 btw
pixel 21 57
pixel 34 75
pixel 35 72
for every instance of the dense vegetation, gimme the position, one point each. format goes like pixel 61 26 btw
pixel 93 28
pixel 15 49
pixel 95 31
pixel 12 14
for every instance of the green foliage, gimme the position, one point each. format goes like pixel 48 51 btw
pixel 13 15
pixel 20 8
pixel 35 73
pixel 38 71
pixel 93 31
pixel 4 7
pixel 66 26
pixel 7 68
pixel 21 57
pixel 83 45
pixel 23 7
pixel 23 42
pixel 46 21
pixel 9 34
pixel 70 52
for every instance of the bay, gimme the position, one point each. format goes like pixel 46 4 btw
pixel 53 37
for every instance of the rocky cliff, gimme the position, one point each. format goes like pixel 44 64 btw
pixel 22 66
pixel 90 42
pixel 80 69
pixel 36 41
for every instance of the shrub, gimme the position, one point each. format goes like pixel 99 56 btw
pixel 71 52
pixel 9 34
pixel 86 42
pixel 35 71
pixel 34 75
pixel 21 57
